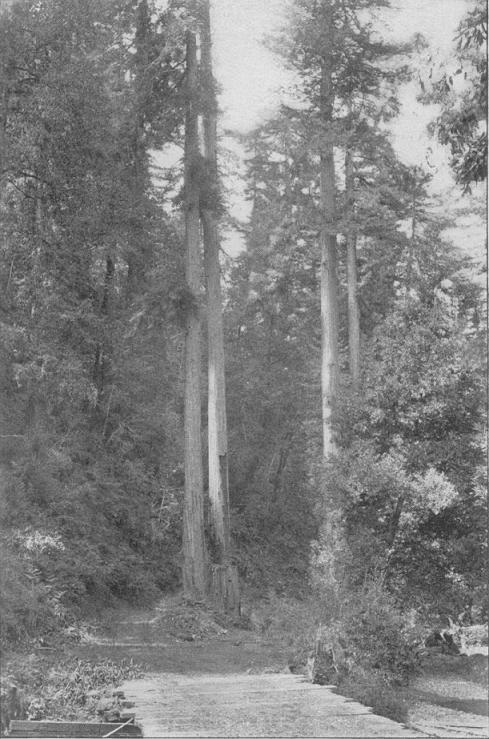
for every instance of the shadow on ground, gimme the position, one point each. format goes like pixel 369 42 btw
pixel 467 705
pixel 206 656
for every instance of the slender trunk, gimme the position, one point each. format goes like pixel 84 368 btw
pixel 329 279
pixel 412 241
pixel 3 134
pixel 102 352
pixel 392 534
pixel 394 522
pixel 225 584
pixel 352 277
pixel 277 478
pixel 137 254
pixel 194 566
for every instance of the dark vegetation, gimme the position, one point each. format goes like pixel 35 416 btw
pixel 359 552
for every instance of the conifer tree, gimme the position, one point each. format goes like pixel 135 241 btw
pixel 194 570
pixel 340 66
pixel 224 574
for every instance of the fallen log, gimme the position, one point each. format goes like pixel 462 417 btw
pixel 72 729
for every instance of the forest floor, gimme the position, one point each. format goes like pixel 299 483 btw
pixel 207 679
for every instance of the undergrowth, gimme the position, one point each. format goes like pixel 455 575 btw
pixel 68 689
pixel 359 641
pixel 383 699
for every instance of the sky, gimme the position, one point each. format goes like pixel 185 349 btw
pixel 251 77
pixel 253 82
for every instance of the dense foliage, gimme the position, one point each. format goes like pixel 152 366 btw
pixel 90 309
pixel 461 124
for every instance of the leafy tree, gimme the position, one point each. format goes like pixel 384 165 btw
pixel 462 122
pixel 416 432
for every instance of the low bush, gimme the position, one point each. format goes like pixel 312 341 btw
pixel 384 700
pixel 68 689
pixel 290 621
pixel 369 635
pixel 30 605
pixel 359 641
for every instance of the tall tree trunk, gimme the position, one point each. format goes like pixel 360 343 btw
pixel 329 279
pixel 352 276
pixel 224 575
pixel 194 567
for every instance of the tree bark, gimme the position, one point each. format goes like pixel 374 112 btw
pixel 194 553
pixel 217 425
pixel 352 277
pixel 329 279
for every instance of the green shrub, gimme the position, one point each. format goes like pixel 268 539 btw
pixel 369 635
pixel 29 605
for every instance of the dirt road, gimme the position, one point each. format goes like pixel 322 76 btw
pixel 202 679
pixel 237 705
pixel 205 680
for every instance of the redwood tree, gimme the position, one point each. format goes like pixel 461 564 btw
pixel 194 570
pixel 224 574
pixel 329 277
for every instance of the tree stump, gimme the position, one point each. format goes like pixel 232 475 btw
pixel 224 590
pixel 12 707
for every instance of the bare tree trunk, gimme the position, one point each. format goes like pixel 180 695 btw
pixel 394 522
pixel 225 585
pixel 352 277
pixel 392 532
pixel 194 566
pixel 102 352
pixel 3 134
pixel 329 279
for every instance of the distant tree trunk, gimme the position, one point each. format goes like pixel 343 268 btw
pixel 352 276
pixel 277 478
pixel 225 589
pixel 102 351
pixel 194 567
pixel 137 252
pixel 329 279
pixel 392 531
pixel 3 135
pixel 412 241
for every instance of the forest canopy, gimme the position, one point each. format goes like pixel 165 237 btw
pixel 347 444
